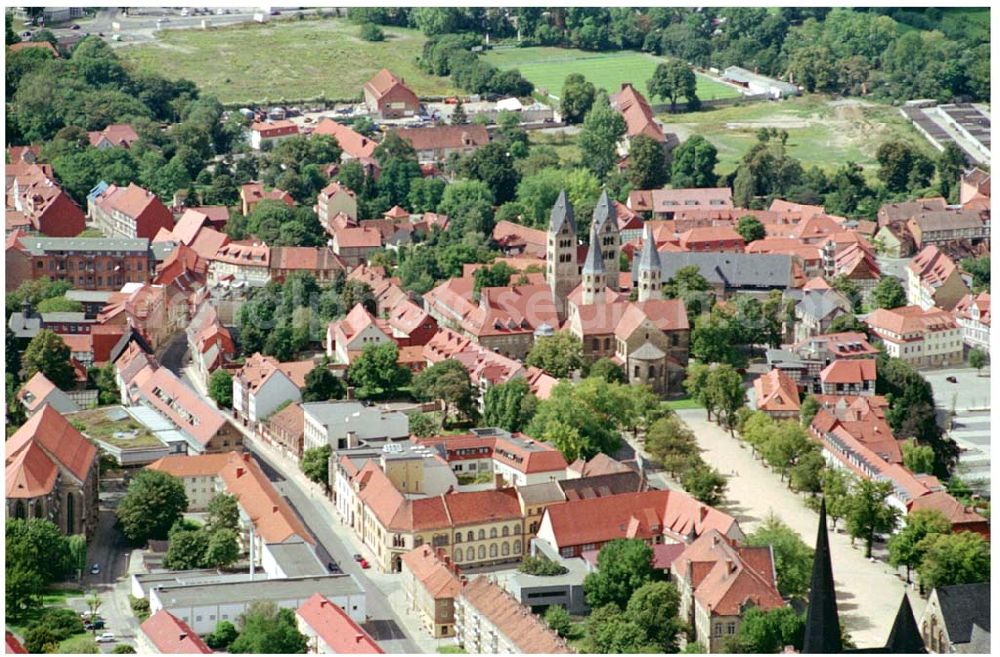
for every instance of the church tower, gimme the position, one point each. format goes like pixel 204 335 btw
pixel 822 634
pixel 562 271
pixel 650 269
pixel 594 275
pixel 606 221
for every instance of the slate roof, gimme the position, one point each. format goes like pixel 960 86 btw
pixel 730 269
pixel 562 212
pixel 962 606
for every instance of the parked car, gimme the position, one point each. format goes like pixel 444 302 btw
pixel 107 637
pixel 951 379
pixel 95 569
pixel 332 567
pixel 74 26
pixel 364 564
pixel 358 557
pixel 94 625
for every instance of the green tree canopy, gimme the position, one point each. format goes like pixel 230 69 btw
pixel 792 557
pixel 316 464
pixel 694 163
pixel 671 80
pixel 962 558
pixel 647 163
pixel 603 127
pixel 48 354
pixel 322 385
pixel 266 629
pixel 907 548
pixel 751 229
pixel 448 382
pixel 153 503
pixel 220 388
pixel 559 355
pixel 576 99
pixel 888 293
pixel 769 631
pixel 377 371
pixel 868 511
pixel 509 405
pixel 623 566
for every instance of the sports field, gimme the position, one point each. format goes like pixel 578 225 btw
pixel 822 132
pixel 548 67
pixel 285 59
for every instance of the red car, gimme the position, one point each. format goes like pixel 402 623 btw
pixel 364 564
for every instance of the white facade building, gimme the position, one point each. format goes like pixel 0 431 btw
pixel 343 424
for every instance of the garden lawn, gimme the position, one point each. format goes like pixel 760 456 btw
pixel 821 132
pixel 548 67
pixel 680 404
pixel 288 59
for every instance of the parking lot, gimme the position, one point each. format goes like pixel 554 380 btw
pixel 969 396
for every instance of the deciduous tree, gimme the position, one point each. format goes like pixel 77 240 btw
pixel 907 548
pixel 694 163
pixel 576 99
pixel 559 355
pixel 603 127
pixel 623 566
pixel 792 557
pixel 48 354
pixel 377 371
pixel 510 405
pixel 868 511
pixel 154 502
pixel 889 293
pixel 671 80
pixel 316 464
pixel 962 558
pixel 647 163
pixel 448 382
pixel 220 388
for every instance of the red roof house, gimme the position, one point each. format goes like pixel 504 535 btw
pixel 169 635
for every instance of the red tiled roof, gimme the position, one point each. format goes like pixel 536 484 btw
pixel 637 113
pixel 38 387
pixel 59 441
pixel 910 319
pixel 981 301
pixel 674 200
pixel 432 573
pixel 445 136
pixel 275 128
pixel 353 144
pixel 203 465
pixel 273 519
pixel 119 134
pixel 849 371
pixel 185 407
pixel 383 82
pixel 634 515
pixel 173 636
pixel 335 627
pixel 776 391
pixel 22 45
pixel 131 201
pixel 13 646
pixel 956 513
pixel 527 632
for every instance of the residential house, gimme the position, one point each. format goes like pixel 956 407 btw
pixel 777 394
pixel 711 238
pixel 163 633
pixel 113 136
pixel 819 306
pixel 832 346
pixel 353 146
pixel 948 226
pixel 849 377
pixel 434 144
pixel 51 473
pixel 515 239
pixel 718 581
pixel 512 459
pixel 199 474
pixel 922 338
pixel 334 199
pixel 638 115
pixel 654 516
pixel 89 263
pixel 900 213
pixel 934 281
pixel 354 243
pixel 666 203
pixel 962 518
pixel 263 384
pixel 488 620
pixel 957 619
pixel 388 97
pixel 329 630
pixel 210 343
pixel 36 203
pixel 320 262
pixel 975 185
pixel 242 263
pixel 431 583
pixel 39 392
pixel 204 428
pixel 286 428
pixel 263 136
pixel 346 338
pixel 972 313
pixel 856 263
pixel 130 212
pixel 253 193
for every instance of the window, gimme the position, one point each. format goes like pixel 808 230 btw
pixel 482 534
pixel 731 628
pixel 458 537
pixel 493 532
pixel 504 531
pixel 517 547
pixel 493 550
pixel 470 554
pixel 505 549
pixel 482 551
pixel 718 630
pixel 469 537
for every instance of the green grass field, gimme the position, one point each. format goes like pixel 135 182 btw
pixel 286 59
pixel 547 69
pixel 820 132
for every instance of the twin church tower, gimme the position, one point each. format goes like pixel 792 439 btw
pixel 601 266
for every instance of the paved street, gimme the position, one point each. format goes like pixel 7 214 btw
pixel 868 593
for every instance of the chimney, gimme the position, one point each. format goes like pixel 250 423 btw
pixel 715 539
pixel 274 509
pixel 182 636
pixel 704 511
pixel 240 472
pixel 358 638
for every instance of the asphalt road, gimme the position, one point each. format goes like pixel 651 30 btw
pixel 384 625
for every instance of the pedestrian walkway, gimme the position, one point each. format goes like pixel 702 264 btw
pixel 868 593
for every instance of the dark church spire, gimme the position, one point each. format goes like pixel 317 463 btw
pixel 905 636
pixel 822 635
